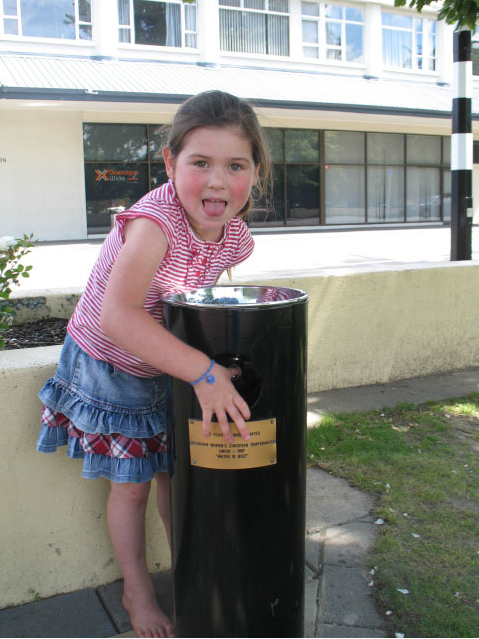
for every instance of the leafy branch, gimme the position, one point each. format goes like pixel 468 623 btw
pixel 11 252
pixel 463 12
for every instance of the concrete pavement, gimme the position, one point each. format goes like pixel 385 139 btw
pixel 332 252
pixel 340 532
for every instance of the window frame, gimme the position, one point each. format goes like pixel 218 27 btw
pixel 322 20
pixel 130 28
pixel 151 161
pixel 426 54
pixel 18 18
pixel 267 12
pixel 281 217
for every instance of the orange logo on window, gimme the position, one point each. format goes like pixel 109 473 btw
pixel 102 175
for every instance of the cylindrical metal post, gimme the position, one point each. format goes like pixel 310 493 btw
pixel 461 150
pixel 238 511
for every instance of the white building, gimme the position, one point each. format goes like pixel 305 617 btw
pixel 356 97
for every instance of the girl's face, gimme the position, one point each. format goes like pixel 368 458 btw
pixel 213 175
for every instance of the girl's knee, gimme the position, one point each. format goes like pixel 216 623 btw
pixel 162 478
pixel 133 493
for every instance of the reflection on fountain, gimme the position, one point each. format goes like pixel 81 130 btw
pixel 226 296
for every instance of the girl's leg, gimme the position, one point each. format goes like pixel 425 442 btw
pixel 163 501
pixel 126 522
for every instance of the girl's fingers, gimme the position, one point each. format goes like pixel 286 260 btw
pixel 224 425
pixel 242 406
pixel 206 423
pixel 239 421
pixel 225 402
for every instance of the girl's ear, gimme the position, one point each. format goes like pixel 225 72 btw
pixel 169 162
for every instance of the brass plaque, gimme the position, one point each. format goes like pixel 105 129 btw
pixel 214 452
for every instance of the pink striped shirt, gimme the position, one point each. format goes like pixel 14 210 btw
pixel 189 263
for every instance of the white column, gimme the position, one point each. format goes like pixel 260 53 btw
pixel 295 30
pixel 208 31
pixel 105 27
pixel 444 54
pixel 373 41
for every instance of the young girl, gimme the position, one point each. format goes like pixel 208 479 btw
pixel 110 398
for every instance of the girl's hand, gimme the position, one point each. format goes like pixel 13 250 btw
pixel 223 399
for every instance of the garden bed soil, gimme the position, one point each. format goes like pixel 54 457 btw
pixel 46 332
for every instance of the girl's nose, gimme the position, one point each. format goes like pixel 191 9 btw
pixel 216 178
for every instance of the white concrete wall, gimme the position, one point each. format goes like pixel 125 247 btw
pixel 53 534
pixel 381 326
pixel 364 328
pixel 42 181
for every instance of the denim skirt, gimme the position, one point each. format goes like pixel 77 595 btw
pixel 90 406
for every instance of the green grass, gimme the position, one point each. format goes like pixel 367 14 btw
pixel 422 463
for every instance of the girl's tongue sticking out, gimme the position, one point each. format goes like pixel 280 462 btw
pixel 215 208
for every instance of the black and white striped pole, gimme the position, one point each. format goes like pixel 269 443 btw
pixel 461 149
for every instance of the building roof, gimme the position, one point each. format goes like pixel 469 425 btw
pixel 74 78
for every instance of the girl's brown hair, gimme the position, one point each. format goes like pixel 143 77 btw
pixel 220 109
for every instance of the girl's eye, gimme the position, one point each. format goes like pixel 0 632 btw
pixel 236 167
pixel 200 163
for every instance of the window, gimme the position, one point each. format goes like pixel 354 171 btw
pixel 296 190
pixel 385 194
pixel 320 177
pixel 332 32
pixel 161 24
pixel 122 163
pixel 62 19
pixel 423 194
pixel 409 43
pixel 255 26
pixel 385 177
pixel 423 149
pixel 344 177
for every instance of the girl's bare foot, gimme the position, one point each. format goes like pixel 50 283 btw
pixel 147 618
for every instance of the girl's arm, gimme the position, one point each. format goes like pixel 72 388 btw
pixel 125 321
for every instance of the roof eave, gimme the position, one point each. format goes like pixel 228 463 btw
pixel 29 93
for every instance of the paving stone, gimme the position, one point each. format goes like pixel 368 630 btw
pixel 332 630
pixel 331 501
pixel 312 548
pixel 349 544
pixel 311 584
pixel 76 614
pixel 111 595
pixel 345 599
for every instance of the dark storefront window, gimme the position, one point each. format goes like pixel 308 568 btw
pixel 111 187
pixel 295 199
pixel 302 176
pixel 379 178
pixel 122 163
pixel 320 177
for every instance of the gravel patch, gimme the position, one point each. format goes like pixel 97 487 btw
pixel 46 332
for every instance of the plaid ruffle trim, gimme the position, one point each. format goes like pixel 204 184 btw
pixel 114 445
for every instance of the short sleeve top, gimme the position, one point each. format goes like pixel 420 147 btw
pixel 189 263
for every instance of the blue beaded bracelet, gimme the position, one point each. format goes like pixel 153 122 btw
pixel 210 379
